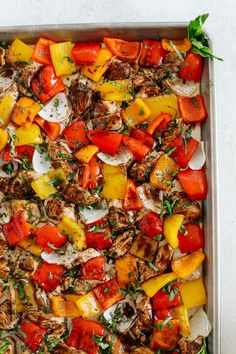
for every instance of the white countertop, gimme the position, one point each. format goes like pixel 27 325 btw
pixel 222 26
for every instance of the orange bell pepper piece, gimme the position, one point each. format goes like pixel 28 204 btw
pixel 166 334
pixel 126 270
pixel 185 266
pixel 52 129
pixel 132 200
pixel 41 52
pixel 192 109
pixel 159 122
pixel 183 45
pixel 65 305
pixel 25 112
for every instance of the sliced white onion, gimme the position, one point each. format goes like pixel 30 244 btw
pixel 5 174
pixel 91 215
pixel 146 198
pixel 39 162
pixel 199 325
pixel 199 157
pixel 57 109
pixel 68 79
pixel 66 259
pixel 123 156
pixel 181 88
pixel 176 187
pixel 196 132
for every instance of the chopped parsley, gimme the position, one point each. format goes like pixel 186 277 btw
pixel 165 322
pixel 141 112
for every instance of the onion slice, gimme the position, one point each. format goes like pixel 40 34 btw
pixel 57 109
pixel 40 163
pixel 199 325
pixel 123 156
pixel 181 88
pixel 91 215
pixel 199 157
pixel 145 194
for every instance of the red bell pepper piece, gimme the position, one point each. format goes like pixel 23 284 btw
pixel 93 269
pixel 49 237
pixel 162 314
pixel 75 134
pixel 191 69
pixel 52 129
pixel 82 334
pixel 108 293
pixel 164 300
pixel 23 151
pixel 194 183
pixel 92 175
pixel 143 136
pixel 165 336
pixel 160 122
pixel 98 235
pixel 107 142
pixel 152 53
pixel 123 50
pixel 151 224
pixel 192 109
pixel 184 151
pixel 137 148
pixel 85 53
pixel 47 84
pixel 132 200
pixel 41 52
pixel 31 334
pixel 190 238
pixel 48 276
pixel 17 229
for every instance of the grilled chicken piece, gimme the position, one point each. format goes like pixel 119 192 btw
pixel 4 183
pixel 117 346
pixel 172 64
pixel 30 210
pixel 81 97
pixel 7 76
pixel 122 244
pixel 5 212
pixel 118 70
pixel 62 348
pixel 42 298
pixel 57 151
pixel 108 122
pixel 2 56
pixel 70 168
pixel 120 220
pixel 3 247
pixel 81 287
pixel 4 268
pixel 25 267
pixel 190 347
pixel 21 184
pixel 172 131
pixel 143 78
pixel 7 317
pixel 55 208
pixel 189 208
pixel 148 91
pixel 11 91
pixel 142 350
pixel 75 194
pixel 140 172
pixel 26 75
pixel 43 319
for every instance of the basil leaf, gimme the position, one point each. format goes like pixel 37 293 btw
pixel 195 26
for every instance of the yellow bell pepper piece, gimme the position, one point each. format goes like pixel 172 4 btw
pixel 141 245
pixel 61 58
pixel 193 293
pixel 65 305
pixel 102 63
pixel 151 286
pixel 30 246
pixel 25 112
pixel 117 96
pixel 46 185
pixel 115 180
pixel 163 172
pixel 4 137
pixel 183 45
pixel 171 227
pixel 181 313
pixel 31 135
pixel 114 90
pixel 88 305
pixel 162 104
pixel 19 51
pixel 74 231
pixel 86 153
pixel 136 113
pixel 187 265
pixel 6 107
pixel 29 293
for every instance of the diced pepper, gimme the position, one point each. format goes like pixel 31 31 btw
pixel 151 286
pixel 132 200
pixel 136 147
pixel 193 293
pixel 162 104
pixel 4 137
pixel 123 50
pixel 187 265
pixel 98 235
pixel 114 90
pixel 16 230
pixel 181 314
pixel 41 52
pixel 88 305
pixel 52 129
pixel 143 136
pixel 65 305
pixel 183 45
pixel 74 230
pixel 6 107
pixel 31 334
pixel 92 175
pixel 162 314
pixel 108 293
pixel 144 248
pixel 151 224
pixel 48 276
pixel 75 134
pixel 98 68
pixel 152 53
pixel 115 180
pixel 25 112
pixel 61 58
pixel 27 291
pixel 162 300
pixel 93 269
pixel 85 53
pixel 163 173
pixel 30 246
pixel 48 183
pixel 25 136
pixel 20 152
pixel 190 238
pixel 86 153
pixel 136 113
pixel 194 183
pixel 108 142
pixel 49 237
pixel 19 51
pixel 165 336
pixel 171 227
pixel 191 68
pixel 192 109
pixel 184 150
pixel 159 122
pixel 126 270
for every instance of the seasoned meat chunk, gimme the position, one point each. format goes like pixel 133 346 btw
pixel 25 76
pixel 142 350
pixel 54 207
pixel 5 212
pixel 189 208
pixel 120 220
pixel 75 194
pixel 99 109
pixel 4 268
pixel 7 317
pixel 3 247
pixel 20 185
pixel 108 122
pixel 2 57
pixel 4 183
pixel 81 97
pixel 43 319
pixel 30 209
pixel 149 90
pixel 82 287
pixel 117 346
pixel 190 347
pixel 172 131
pixel 25 267
pixel 172 64
pixel 140 172
pixel 122 244
pixel 62 348
pixel 57 151
pixel 118 70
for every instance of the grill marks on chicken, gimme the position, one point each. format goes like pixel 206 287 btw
pixel 81 98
